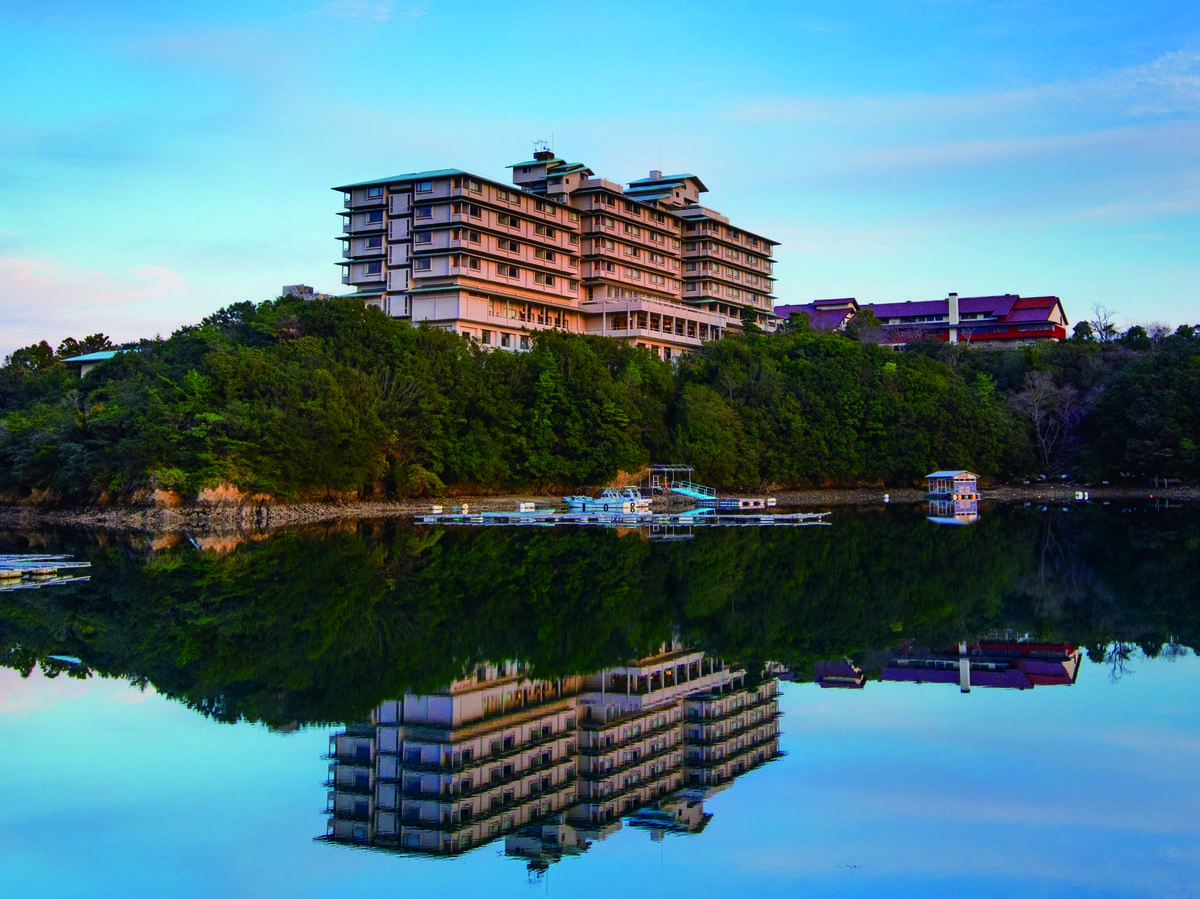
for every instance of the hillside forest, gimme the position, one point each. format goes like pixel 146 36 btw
pixel 301 399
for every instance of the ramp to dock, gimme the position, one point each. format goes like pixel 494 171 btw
pixel 692 490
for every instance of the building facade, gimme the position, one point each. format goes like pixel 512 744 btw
pixel 557 248
pixel 1005 320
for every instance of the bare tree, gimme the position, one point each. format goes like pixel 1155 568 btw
pixel 1054 412
pixel 1103 322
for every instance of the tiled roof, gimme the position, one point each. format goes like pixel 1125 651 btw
pixel 998 306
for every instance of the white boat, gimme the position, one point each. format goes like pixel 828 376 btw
pixel 611 499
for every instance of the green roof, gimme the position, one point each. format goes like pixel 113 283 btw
pixel 101 356
pixel 534 162
pixel 668 179
pixel 411 176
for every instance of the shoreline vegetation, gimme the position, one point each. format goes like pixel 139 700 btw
pixel 264 410
pixel 231 515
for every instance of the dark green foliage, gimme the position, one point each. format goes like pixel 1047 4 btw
pixel 313 399
pixel 805 408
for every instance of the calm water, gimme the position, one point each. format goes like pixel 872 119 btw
pixel 186 752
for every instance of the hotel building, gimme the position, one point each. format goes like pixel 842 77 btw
pixel 549 765
pixel 557 248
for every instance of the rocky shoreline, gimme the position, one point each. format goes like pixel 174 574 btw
pixel 261 515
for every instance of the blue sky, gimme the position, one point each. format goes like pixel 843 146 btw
pixel 159 161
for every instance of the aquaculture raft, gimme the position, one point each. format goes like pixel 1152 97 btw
pixel 28 572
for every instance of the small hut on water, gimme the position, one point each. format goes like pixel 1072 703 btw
pixel 953 485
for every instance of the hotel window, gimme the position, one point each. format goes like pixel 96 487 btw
pixel 423 237
pixel 374 193
pixel 474 236
pixel 541 278
pixel 505 340
pixel 574 285
pixel 473 186
pixel 474 211
pixel 373 268
pixel 634 230
pixel 575 239
pixel 510 221
pixel 510 245
pixel 375 217
pixel 507 271
pixel 485 336
pixel 421 265
pixel 544 230
pixel 540 206
pixel 373 243
pixel 573 216
pixel 471 262
pixel 524 343
pixel 424 187
pixel 541 253
pixel 423 212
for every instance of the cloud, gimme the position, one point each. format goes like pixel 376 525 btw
pixel 369 11
pixel 1167 85
pixel 47 299
pixel 1107 143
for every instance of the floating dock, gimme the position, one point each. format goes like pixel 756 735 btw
pixel 694 518
pixel 28 572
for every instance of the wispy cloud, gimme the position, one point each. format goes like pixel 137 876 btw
pixel 369 11
pixel 1167 85
pixel 47 299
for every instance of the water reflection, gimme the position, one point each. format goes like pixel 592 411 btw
pixel 953 511
pixel 551 765
pixel 322 626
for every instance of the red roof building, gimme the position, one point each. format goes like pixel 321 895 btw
pixel 1006 320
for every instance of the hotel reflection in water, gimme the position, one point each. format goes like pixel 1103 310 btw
pixel 550 765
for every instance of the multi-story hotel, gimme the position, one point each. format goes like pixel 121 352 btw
pixel 558 248
pixel 549 765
